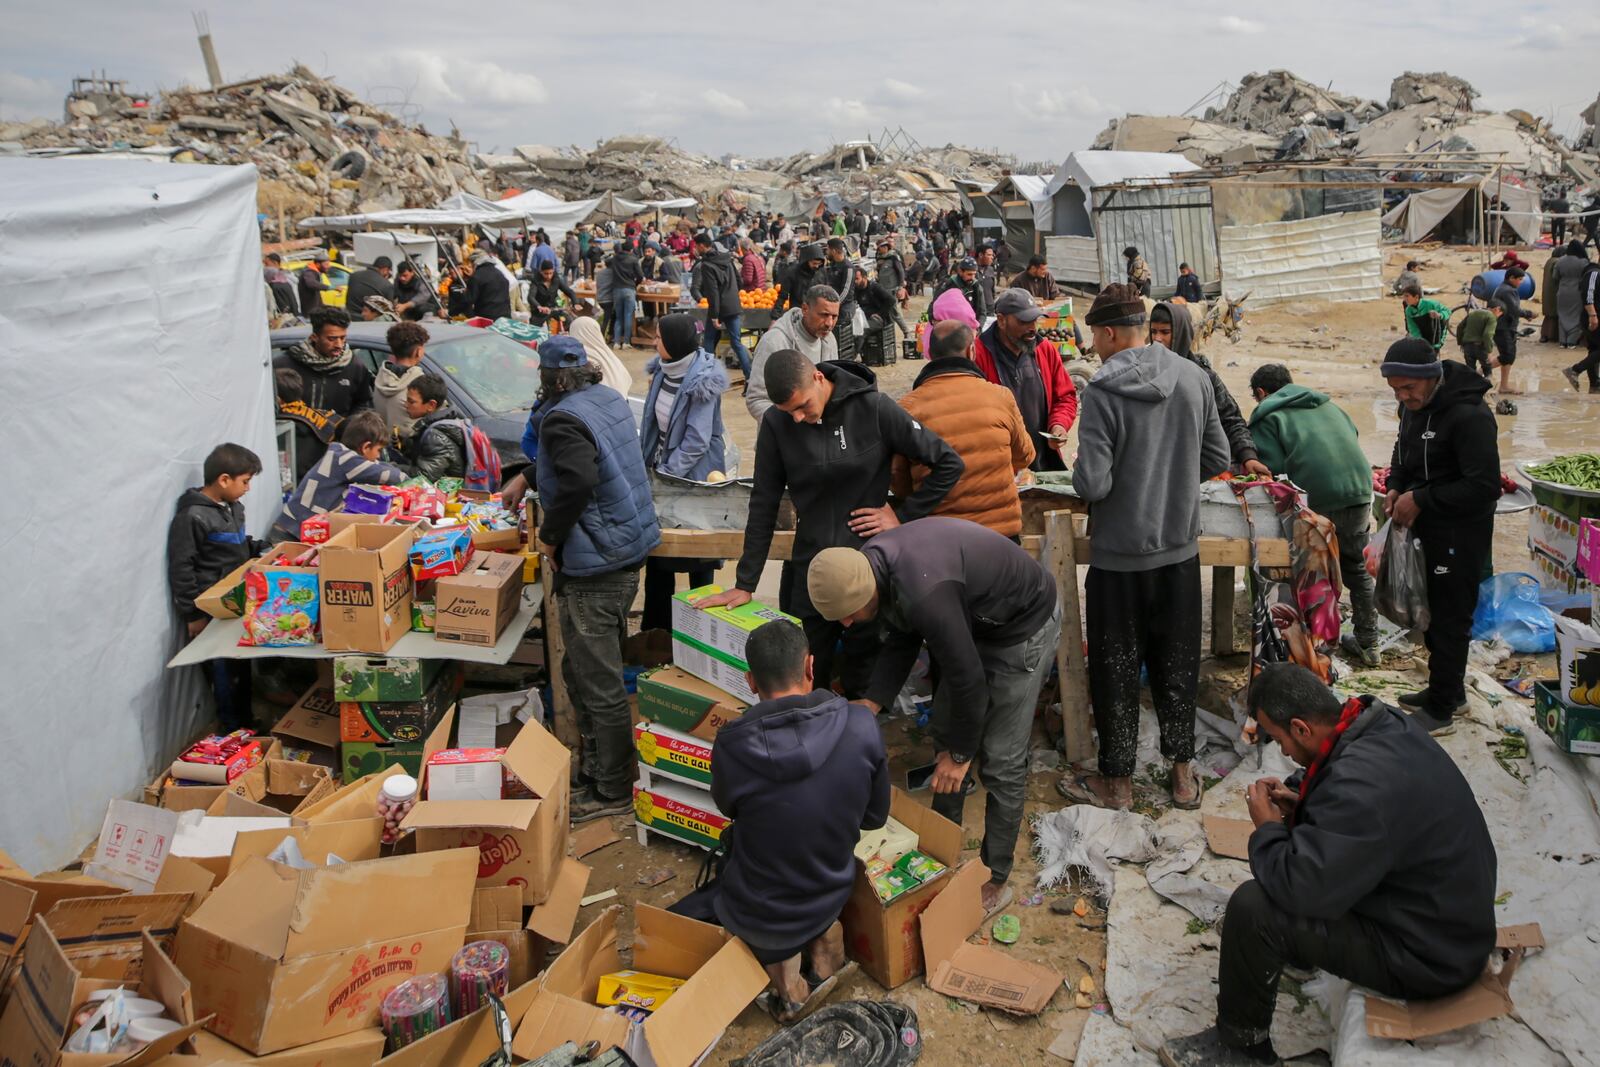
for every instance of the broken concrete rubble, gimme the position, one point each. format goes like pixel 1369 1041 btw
pixel 1445 91
pixel 1277 101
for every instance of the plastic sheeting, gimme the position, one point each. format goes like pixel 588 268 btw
pixel 1330 258
pixel 1070 190
pixel 1420 213
pixel 532 209
pixel 133 339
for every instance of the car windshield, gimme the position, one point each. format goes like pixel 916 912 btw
pixel 501 374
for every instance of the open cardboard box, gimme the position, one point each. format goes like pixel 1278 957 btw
pixel 519 842
pixel 978 973
pixel 312 724
pixel 365 585
pixel 197 797
pixel 722 979
pixel 38 1019
pixel 361 1048
pixel 1487 998
pixel 883 937
pixel 497 916
pixel 466 1042
pixel 225 598
pixel 285 957
pixel 274 787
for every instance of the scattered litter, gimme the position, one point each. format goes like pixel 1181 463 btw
pixel 592 837
pixel 595 898
pixel 1006 929
pixel 650 879
pixel 1032 901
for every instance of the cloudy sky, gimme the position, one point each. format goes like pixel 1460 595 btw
pixel 723 77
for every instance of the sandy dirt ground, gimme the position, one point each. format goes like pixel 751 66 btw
pixel 1335 348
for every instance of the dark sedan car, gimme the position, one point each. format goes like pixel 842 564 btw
pixel 491 379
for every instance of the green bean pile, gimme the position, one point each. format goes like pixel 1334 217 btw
pixel 1581 471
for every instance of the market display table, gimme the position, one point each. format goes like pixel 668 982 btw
pixel 220 640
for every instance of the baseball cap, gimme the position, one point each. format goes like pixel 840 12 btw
pixel 562 351
pixel 1017 302
pixel 967 263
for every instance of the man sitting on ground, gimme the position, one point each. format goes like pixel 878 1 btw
pixel 1374 865
pixel 801 749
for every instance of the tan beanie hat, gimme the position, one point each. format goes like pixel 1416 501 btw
pixel 840 582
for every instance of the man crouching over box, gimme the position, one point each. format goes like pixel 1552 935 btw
pixel 801 774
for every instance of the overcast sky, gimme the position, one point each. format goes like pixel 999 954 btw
pixel 1037 80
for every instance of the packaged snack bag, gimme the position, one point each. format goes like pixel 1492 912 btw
pixel 281 608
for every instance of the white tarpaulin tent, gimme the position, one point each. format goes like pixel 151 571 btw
pixel 532 209
pixel 1071 189
pixel 133 339
pixel 1426 210
pixel 1330 257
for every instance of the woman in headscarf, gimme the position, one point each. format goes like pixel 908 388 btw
pixel 951 304
pixel 1569 296
pixel 587 331
pixel 681 435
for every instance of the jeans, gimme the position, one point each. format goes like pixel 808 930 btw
pixel 856 648
pixel 1259 939
pixel 625 303
pixel 661 582
pixel 1456 552
pixel 730 324
pixel 1151 618
pixel 1352 526
pixel 594 624
pixel 1015 674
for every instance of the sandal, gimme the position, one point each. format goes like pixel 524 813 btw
pixel 786 1012
pixel 1192 803
pixel 1076 788
pixel 1007 896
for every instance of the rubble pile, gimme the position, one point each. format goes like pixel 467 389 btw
pixel 635 167
pixel 319 148
pixel 1278 116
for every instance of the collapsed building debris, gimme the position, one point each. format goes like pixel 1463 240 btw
pixel 319 148
pixel 1444 90
pixel 1277 101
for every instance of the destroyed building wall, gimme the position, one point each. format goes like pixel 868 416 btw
pixel 1445 91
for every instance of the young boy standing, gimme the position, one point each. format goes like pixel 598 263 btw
pixel 206 540
pixel 1475 335
pixel 438 446
pixel 407 344
pixel 1425 318
pixel 354 459
pixel 1509 301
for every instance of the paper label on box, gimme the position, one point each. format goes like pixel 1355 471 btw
pixel 134 842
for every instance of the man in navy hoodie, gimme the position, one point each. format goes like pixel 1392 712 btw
pixel 801 774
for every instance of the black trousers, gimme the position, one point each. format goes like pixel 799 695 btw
pixel 661 582
pixel 1259 939
pixel 1589 365
pixel 853 649
pixel 1455 553
pixel 1151 618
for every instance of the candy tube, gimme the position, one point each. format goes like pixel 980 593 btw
pixel 414 1009
pixel 480 968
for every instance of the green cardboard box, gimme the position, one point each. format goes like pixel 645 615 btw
pixel 709 642
pixel 399 720
pixel 1573 727
pixel 678 700
pixel 375 678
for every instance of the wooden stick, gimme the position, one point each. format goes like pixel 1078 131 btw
pixel 1222 641
pixel 1071 666
pixel 566 715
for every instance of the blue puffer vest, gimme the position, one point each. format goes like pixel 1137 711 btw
pixel 618 528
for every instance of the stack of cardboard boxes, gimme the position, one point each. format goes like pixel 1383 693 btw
pixel 388 707
pixel 682 707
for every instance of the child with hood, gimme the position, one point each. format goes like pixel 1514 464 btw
pixel 407 343
pixel 1172 326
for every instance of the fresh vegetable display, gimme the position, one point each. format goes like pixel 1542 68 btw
pixel 1380 481
pixel 1581 470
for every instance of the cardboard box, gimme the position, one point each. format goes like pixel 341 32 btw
pixel 366 588
pixel 466 774
pixel 679 811
pixel 666 751
pixel 1553 534
pixel 383 678
pixel 225 598
pixel 497 916
pixel 1578 662
pixel 358 1049
pixel 1487 998
pixel 709 643
pixel 400 720
pixel 1573 727
pixel 160 793
pixel 677 699
pixel 285 957
pixel 978 973
pixel 1589 549
pixel 519 842
pixel 710 666
pixel 509 541
pixel 38 1017
pixel 311 727
pixel 473 607
pixel 721 979
pixel 885 938
pixel 466 1042
pixel 361 759
pixel 1554 574
pixel 441 552
pixel 276 786
pixel 351 841
pixel 23 897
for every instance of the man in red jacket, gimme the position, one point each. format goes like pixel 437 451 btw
pixel 1011 353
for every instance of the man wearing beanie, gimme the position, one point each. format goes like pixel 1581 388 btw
pixel 1444 480
pixel 1148 435
pixel 597 523
pixel 990 618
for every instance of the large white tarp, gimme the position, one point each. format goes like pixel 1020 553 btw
pixel 1329 258
pixel 133 339
pixel 1418 214
pixel 1091 170
pixel 532 209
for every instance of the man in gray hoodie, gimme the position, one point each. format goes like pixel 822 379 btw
pixel 1148 435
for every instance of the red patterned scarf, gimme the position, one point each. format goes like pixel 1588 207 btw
pixel 1348 714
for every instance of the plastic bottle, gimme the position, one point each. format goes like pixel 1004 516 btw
pixel 398 797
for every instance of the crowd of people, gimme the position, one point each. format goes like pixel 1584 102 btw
pixel 907 542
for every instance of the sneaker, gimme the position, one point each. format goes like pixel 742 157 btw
pixel 1572 379
pixel 1435 724
pixel 1367 655
pixel 1412 701
pixel 1206 1049
pixel 589 805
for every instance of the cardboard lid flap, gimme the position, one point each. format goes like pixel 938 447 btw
pixel 358 800
pixel 671 944
pixel 954 914
pixel 352 904
pixel 496 908
pixel 464 814
pixel 537 759
pixel 48 980
pixel 103 919
pixel 352 840
pixel 554 919
pixel 16 908
pixel 687 1024
pixel 576 972
pixel 251 907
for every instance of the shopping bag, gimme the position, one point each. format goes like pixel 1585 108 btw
pixel 1509 608
pixel 1402 592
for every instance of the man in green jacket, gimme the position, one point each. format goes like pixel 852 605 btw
pixel 1299 432
pixel 1425 318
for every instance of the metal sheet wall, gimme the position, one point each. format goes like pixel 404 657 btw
pixel 1332 258
pixel 1073 259
pixel 1167 224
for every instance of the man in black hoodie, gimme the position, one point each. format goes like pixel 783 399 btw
pixel 333 380
pixel 1171 326
pixel 1373 864
pixel 840 274
pixel 715 279
pixel 800 751
pixel 830 440
pixel 1444 480
pixel 808 270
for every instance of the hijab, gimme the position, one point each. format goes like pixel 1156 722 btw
pixel 587 331
pixel 950 305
